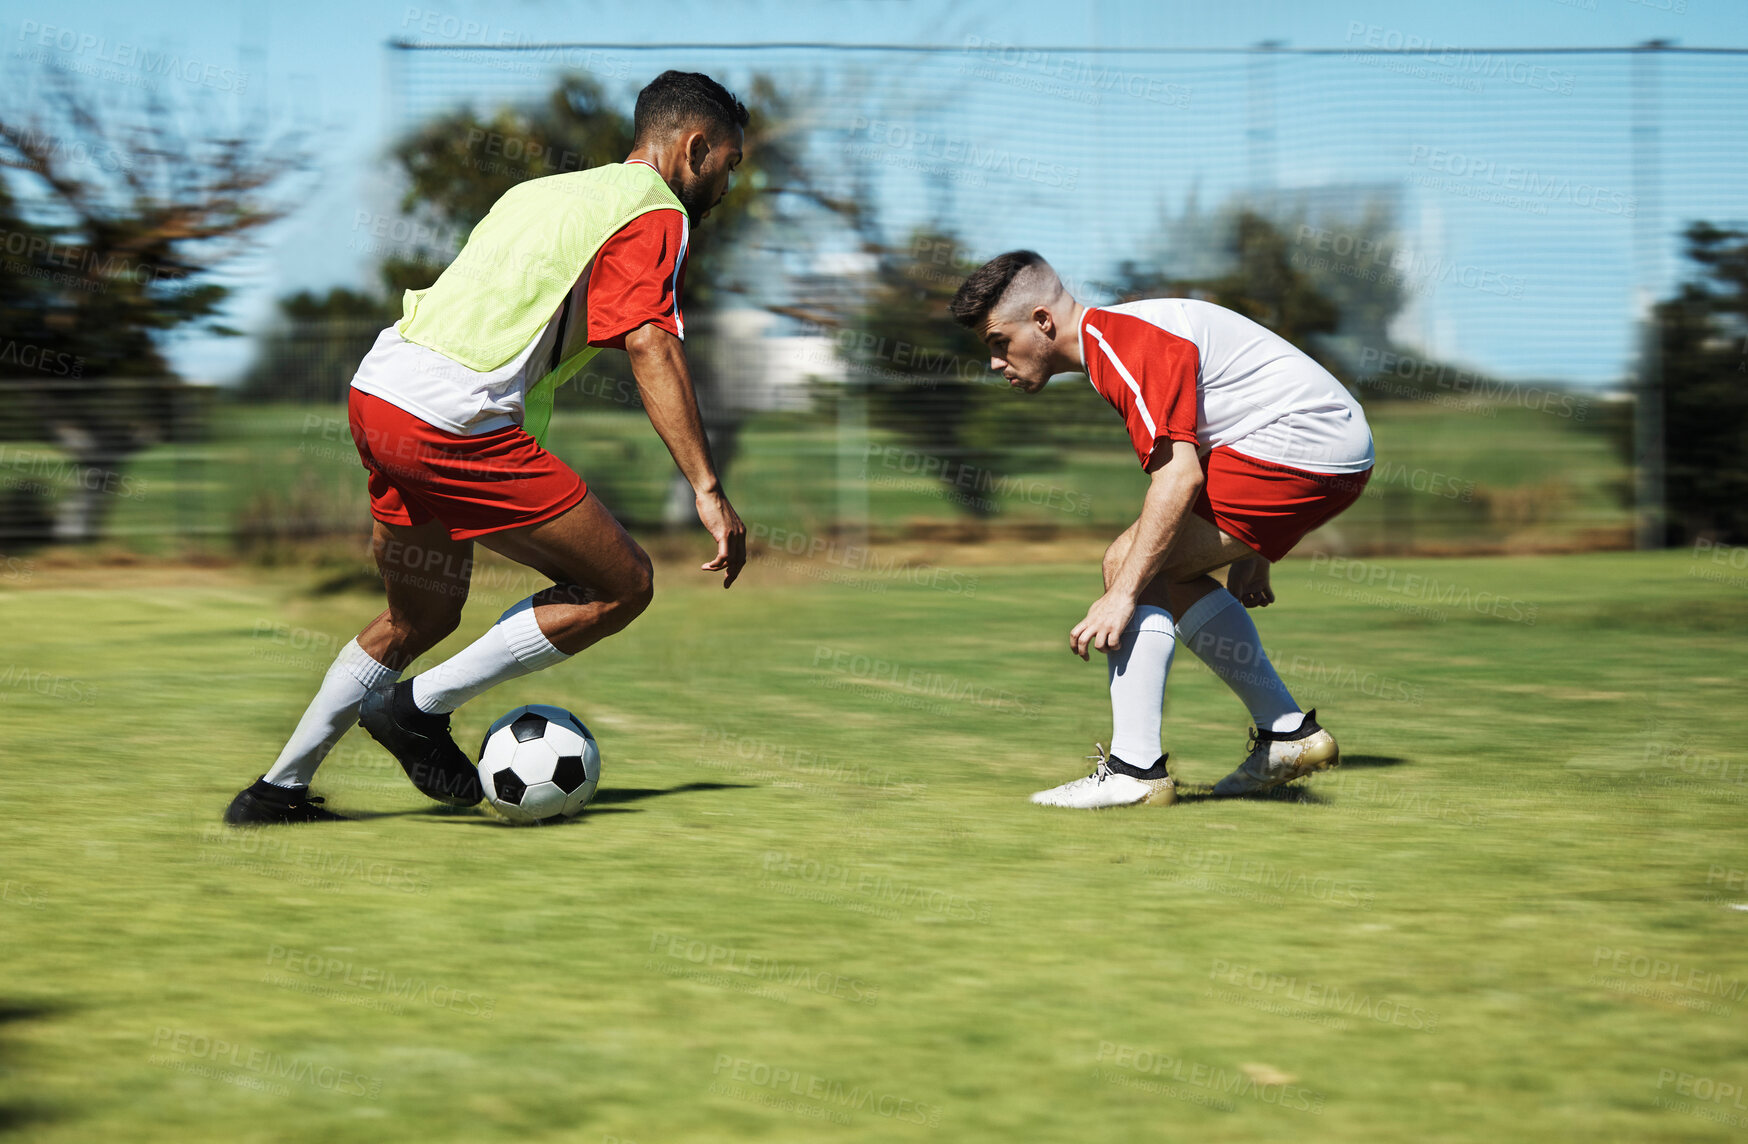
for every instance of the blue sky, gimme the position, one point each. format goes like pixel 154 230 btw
pixel 320 66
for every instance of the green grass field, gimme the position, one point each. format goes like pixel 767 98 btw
pixel 811 901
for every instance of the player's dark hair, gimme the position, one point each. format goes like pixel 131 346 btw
pixel 979 293
pixel 676 100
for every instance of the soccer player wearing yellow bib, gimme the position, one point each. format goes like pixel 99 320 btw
pixel 448 411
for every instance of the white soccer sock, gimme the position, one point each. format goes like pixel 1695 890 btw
pixel 1138 670
pixel 515 646
pixel 330 715
pixel 1222 635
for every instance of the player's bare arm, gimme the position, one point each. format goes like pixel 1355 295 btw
pixel 1176 478
pixel 658 362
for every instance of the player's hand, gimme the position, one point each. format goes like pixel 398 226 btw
pixel 731 535
pixel 1258 593
pixel 1102 630
pixel 1248 580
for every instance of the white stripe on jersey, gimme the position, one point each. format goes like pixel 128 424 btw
pixel 1128 378
pixel 674 287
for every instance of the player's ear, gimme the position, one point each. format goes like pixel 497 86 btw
pixel 697 149
pixel 1045 321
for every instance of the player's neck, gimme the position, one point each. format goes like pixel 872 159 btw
pixel 1068 358
pixel 665 160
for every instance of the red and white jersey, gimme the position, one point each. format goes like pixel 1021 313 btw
pixel 1182 370
pixel 634 280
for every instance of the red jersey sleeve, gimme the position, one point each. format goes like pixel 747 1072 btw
pixel 637 278
pixel 1146 373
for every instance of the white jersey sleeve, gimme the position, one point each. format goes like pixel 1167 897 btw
pixel 1260 395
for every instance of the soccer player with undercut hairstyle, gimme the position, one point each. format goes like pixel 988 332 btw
pixel 1249 445
pixel 449 409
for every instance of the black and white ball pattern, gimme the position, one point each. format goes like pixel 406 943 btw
pixel 538 763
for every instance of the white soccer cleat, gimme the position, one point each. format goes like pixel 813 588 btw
pixel 1280 757
pixel 1113 783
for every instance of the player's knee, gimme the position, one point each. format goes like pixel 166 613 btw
pixel 639 589
pixel 426 623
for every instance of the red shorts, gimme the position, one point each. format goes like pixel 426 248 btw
pixel 473 485
pixel 1268 506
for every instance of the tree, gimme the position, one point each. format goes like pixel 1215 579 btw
pixel 123 219
pixel 1702 351
pixel 313 348
pixel 1331 299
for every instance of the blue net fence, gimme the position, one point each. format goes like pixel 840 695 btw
pixel 1471 239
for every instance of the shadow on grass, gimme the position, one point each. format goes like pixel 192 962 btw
pixel 1299 793
pixel 1372 760
pixel 601 804
pixel 638 794
pixel 18 1115
pixel 588 813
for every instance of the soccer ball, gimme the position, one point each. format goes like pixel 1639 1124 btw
pixel 538 764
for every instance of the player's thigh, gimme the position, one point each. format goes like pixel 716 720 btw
pixel 584 545
pixel 1202 547
pixel 425 572
pixel 1199 548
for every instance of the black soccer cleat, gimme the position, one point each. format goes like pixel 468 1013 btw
pixel 264 804
pixel 420 742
